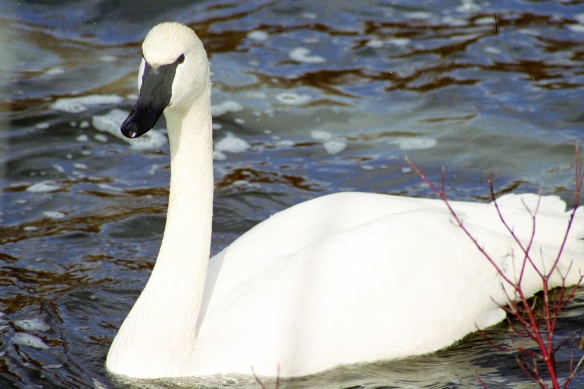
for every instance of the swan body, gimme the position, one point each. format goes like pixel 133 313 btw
pixel 345 278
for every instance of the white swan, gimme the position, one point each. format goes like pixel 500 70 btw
pixel 345 278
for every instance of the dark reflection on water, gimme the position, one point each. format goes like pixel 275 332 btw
pixel 329 96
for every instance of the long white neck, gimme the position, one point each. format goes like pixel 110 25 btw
pixel 161 327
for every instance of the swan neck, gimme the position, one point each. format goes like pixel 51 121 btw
pixel 172 298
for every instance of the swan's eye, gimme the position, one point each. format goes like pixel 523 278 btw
pixel 180 59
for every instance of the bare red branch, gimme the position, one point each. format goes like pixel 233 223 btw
pixel 535 323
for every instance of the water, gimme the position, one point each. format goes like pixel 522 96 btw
pixel 310 97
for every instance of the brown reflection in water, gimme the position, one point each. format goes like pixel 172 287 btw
pixel 83 223
pixel 256 176
pixel 24 286
pixel 446 46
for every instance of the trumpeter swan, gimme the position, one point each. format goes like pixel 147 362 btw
pixel 341 279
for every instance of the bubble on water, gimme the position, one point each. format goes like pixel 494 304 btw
pixel 56 71
pixel 258 35
pixel 375 43
pixel 29 340
pixel 334 146
pixel 231 144
pixel 100 138
pixel 219 156
pixel 80 104
pixel 293 98
pixel 42 126
pixel 421 15
pixel 54 214
pixel 399 41
pixel 43 187
pixel 32 325
pixel 285 143
pixel 578 28
pixel 109 188
pixel 321 135
pixel 108 58
pixel 302 54
pixel 492 50
pixel 415 143
pixel 485 20
pixel 224 107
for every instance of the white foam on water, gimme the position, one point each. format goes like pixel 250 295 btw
pixel 108 58
pixel 400 42
pixel 258 35
pixel 578 28
pixel 219 156
pixel 257 95
pixel 415 143
pixel 24 339
pixel 467 6
pixel 321 135
pixel 492 50
pixel 334 146
pixel 231 144
pixel 293 98
pixel 418 15
pixel 80 104
pixel 43 187
pixel 54 214
pixel 32 325
pixel 302 54
pixel 109 188
pixel 56 71
pixel 110 123
pixel 224 107
pixel 42 126
pixel 485 20
pixel 285 143
pixel 375 43
pixel 100 138
pixel 453 21
pixel 58 168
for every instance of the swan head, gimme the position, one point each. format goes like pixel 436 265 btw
pixel 173 73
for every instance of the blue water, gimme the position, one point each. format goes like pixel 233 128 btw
pixel 321 96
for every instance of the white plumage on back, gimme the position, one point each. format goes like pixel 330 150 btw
pixel 341 279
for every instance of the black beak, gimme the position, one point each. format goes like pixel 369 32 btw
pixel 154 97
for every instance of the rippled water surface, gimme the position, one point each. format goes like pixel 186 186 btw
pixel 310 97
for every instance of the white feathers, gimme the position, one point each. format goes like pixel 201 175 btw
pixel 341 279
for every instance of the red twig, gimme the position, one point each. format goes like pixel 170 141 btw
pixel 538 327
pixel 261 384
